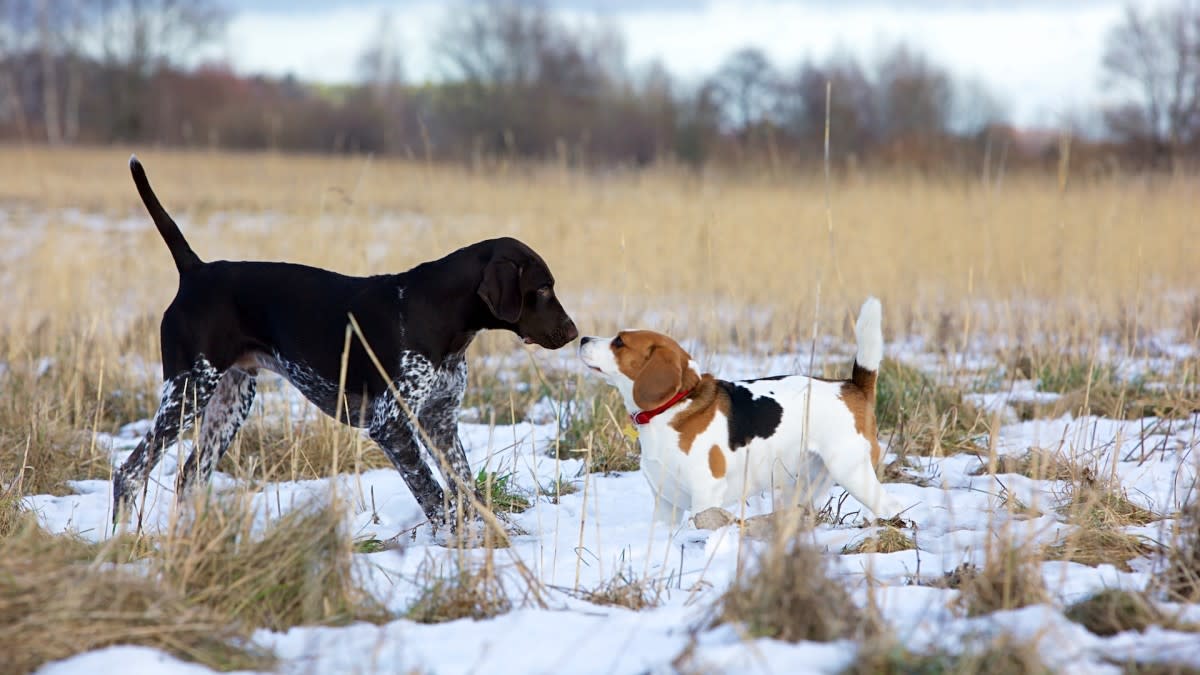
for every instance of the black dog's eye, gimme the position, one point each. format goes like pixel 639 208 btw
pixel 617 342
pixel 545 291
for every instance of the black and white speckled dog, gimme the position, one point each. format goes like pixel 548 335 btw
pixel 229 319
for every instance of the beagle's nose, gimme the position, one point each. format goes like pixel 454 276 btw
pixel 585 340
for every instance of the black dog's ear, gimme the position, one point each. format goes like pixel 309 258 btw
pixel 501 289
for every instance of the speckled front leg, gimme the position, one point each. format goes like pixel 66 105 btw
pixel 395 430
pixel 439 419
pixel 398 438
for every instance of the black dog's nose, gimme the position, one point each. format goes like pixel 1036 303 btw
pixel 572 332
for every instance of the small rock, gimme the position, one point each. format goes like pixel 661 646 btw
pixel 713 519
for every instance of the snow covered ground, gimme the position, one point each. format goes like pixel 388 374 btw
pixel 605 528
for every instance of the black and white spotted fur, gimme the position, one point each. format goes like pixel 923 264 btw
pixel 229 319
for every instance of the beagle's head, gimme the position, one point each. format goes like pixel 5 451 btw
pixel 648 368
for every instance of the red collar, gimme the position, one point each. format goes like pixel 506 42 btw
pixel 645 416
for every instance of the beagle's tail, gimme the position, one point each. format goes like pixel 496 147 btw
pixel 868 332
pixel 185 257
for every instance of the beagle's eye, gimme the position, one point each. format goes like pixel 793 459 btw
pixel 545 291
pixel 617 342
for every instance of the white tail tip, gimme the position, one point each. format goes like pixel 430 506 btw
pixel 868 332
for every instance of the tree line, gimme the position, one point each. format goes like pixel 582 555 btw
pixel 517 81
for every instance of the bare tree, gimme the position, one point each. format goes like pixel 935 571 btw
pixel 1152 62
pixel 16 25
pixel 915 97
pixel 380 64
pixel 139 39
pixel 746 84
pixel 977 107
pixel 853 118
pixel 381 71
pixel 521 80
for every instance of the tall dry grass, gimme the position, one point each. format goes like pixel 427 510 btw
pixel 948 257
pixel 1058 281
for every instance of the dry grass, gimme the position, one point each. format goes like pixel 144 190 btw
pixel 1136 668
pixel 499 492
pixel 955 578
pixel 601 434
pixel 274 449
pixel 298 572
pixel 1002 656
pixel 1095 546
pixel 887 539
pixel 459 589
pixel 924 417
pixel 1113 611
pixel 625 589
pixel 1182 577
pixel 1036 463
pixel 1091 386
pixel 88 295
pixel 58 598
pixel 789 596
pixel 695 255
pixel 1011 578
pixel 1093 503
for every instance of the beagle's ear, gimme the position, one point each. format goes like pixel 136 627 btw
pixel 501 289
pixel 659 379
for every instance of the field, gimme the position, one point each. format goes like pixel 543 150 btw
pixel 1039 404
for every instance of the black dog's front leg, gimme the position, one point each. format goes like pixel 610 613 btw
pixel 439 419
pixel 395 430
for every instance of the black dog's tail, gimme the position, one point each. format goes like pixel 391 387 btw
pixel 185 257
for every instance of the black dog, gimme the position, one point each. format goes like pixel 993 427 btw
pixel 229 319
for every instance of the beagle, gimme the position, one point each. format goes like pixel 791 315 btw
pixel 711 443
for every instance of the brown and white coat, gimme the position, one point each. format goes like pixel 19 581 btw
pixel 710 443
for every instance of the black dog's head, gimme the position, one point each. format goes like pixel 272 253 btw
pixel 518 289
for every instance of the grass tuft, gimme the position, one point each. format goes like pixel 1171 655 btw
pixel 299 571
pixel 57 600
pixel 1010 578
pixel 468 591
pixel 789 596
pixel 625 590
pixel 1144 668
pixel 315 447
pixel 927 418
pixel 1092 503
pixel 1036 463
pixel 499 493
pixel 887 539
pixel 1003 656
pixel 1113 611
pixel 1182 577
pixel 600 433
pixel 1095 546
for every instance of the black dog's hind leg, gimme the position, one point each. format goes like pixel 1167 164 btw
pixel 227 409
pixel 182 395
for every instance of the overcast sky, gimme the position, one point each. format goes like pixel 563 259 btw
pixel 1041 56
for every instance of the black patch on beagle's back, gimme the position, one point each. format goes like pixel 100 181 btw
pixel 749 416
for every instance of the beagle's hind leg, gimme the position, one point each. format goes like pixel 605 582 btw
pixel 851 467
